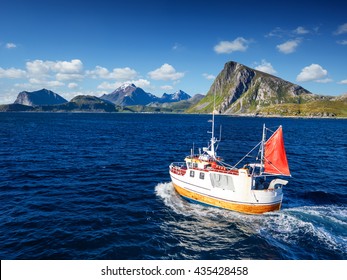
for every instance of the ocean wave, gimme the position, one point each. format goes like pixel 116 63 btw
pixel 322 228
pixel 321 197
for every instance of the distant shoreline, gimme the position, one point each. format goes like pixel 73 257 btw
pixel 178 113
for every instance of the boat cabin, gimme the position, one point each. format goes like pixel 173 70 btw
pixel 199 161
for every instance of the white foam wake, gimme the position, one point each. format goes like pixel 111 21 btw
pixel 320 226
pixel 172 200
pixel 324 225
pixel 180 206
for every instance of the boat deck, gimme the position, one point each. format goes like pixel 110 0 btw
pixel 180 168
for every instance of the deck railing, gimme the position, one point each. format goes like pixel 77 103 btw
pixel 178 168
pixel 178 164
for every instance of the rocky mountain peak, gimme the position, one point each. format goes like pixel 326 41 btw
pixel 39 97
pixel 245 90
pixel 129 94
pixel 174 97
pixel 126 86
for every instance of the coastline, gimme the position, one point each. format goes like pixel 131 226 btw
pixel 173 113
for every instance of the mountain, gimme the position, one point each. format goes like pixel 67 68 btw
pixel 40 97
pixel 174 97
pixel 15 108
pixel 129 94
pixel 81 103
pixel 124 98
pixel 239 89
pixel 182 105
pixel 167 107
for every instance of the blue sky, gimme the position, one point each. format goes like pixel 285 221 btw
pixel 92 47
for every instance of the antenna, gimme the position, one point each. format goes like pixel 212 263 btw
pixel 211 150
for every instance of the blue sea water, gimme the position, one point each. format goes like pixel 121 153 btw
pixel 96 186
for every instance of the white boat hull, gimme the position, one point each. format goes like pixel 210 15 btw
pixel 226 190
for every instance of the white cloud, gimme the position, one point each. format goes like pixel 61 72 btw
pixel 8 96
pixel 68 77
pixel 324 81
pixel 165 72
pixel 12 73
pixel 117 73
pixel 343 82
pixel 123 73
pixel 26 86
pixel 239 44
pixel 341 29
pixel 38 67
pixel 11 46
pixel 142 83
pixel 167 87
pixel 73 66
pixel 209 76
pixel 177 47
pixel 53 84
pixel 47 74
pixel 98 72
pixel 301 30
pixel 285 33
pixel 313 72
pixel 342 42
pixel 65 70
pixel 72 85
pixel 289 46
pixel 52 73
pixel 109 86
pixel 45 83
pixel 266 67
pixel 276 32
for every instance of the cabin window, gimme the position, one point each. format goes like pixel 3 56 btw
pixel 202 175
pixel 191 173
pixel 222 181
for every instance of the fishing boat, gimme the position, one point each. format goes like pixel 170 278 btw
pixel 254 188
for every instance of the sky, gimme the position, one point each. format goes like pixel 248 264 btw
pixel 93 47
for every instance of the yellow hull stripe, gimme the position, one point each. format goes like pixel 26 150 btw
pixel 239 207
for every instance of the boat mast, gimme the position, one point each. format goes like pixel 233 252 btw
pixel 262 150
pixel 211 151
pixel 213 140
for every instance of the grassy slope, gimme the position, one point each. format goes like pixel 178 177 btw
pixel 319 108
